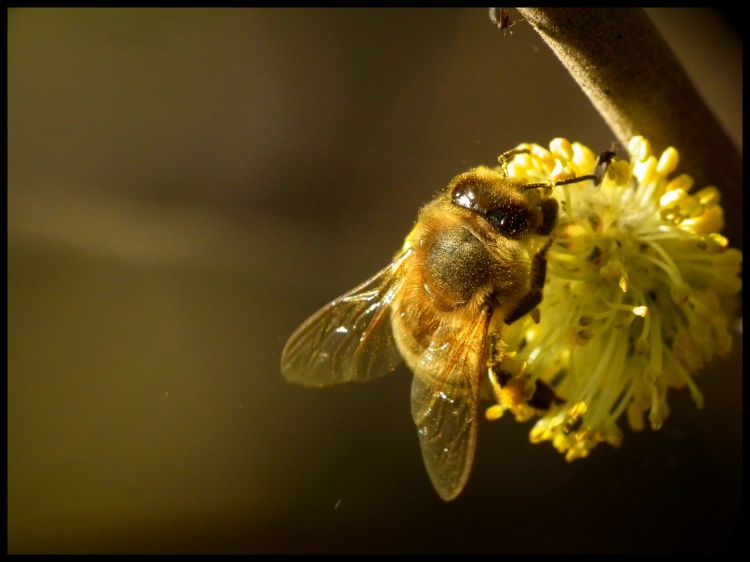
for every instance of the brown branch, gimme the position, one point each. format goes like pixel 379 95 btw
pixel 635 81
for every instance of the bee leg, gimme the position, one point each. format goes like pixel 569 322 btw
pixel 497 376
pixel 538 276
pixel 550 209
pixel 497 355
pixel 528 303
pixel 544 397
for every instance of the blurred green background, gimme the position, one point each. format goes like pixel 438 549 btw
pixel 186 186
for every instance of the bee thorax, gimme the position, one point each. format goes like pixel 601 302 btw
pixel 457 265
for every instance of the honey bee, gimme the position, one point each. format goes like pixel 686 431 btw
pixel 475 260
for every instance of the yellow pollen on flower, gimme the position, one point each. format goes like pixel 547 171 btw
pixel 719 240
pixel 668 161
pixel 562 148
pixel 641 311
pixel 683 182
pixel 619 172
pixel 640 294
pixel 494 412
pixel 583 157
pixel 640 148
pixel 624 283
pixel 709 195
pixel 672 198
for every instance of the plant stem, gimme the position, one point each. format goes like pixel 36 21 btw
pixel 635 81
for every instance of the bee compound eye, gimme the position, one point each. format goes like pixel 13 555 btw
pixel 465 195
pixel 472 193
pixel 510 220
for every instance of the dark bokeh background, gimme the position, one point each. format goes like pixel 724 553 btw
pixel 186 186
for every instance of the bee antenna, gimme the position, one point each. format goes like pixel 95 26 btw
pixel 600 169
pixel 535 186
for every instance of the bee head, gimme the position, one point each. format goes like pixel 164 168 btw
pixel 503 202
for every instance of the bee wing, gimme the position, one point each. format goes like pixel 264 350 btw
pixel 444 403
pixel 350 338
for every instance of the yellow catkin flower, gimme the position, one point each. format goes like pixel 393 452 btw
pixel 640 294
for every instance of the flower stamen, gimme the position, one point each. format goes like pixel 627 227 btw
pixel 640 293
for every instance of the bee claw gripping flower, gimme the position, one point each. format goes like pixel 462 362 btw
pixel 640 293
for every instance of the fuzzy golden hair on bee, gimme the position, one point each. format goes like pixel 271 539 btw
pixel 474 262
